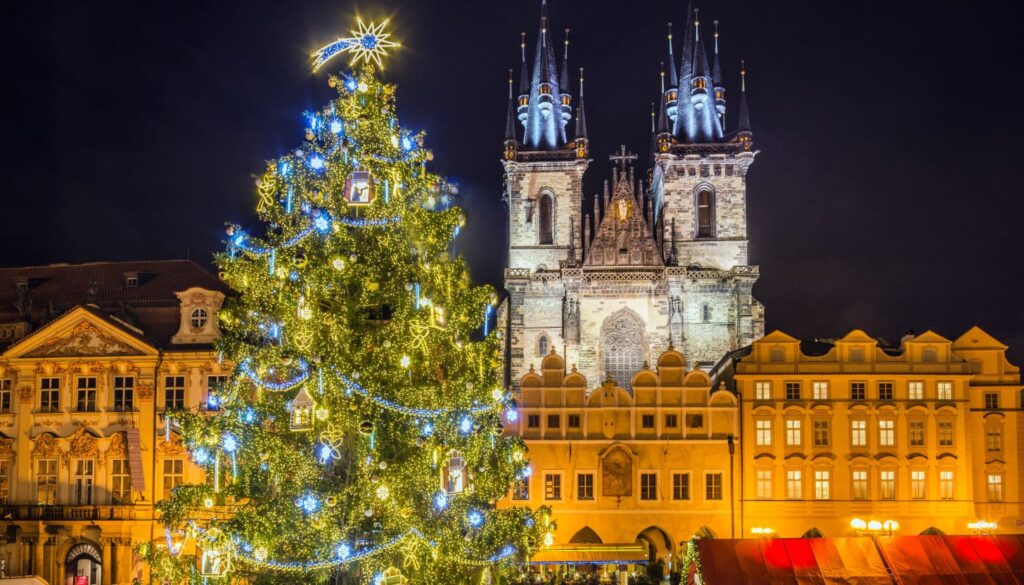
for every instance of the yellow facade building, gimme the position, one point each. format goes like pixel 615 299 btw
pixel 95 355
pixel 794 437
pixel 926 434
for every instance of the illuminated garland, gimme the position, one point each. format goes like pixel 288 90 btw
pixel 353 386
pixel 286 385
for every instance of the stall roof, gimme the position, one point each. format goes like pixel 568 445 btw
pixel 585 554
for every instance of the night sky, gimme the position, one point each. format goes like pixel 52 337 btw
pixel 886 196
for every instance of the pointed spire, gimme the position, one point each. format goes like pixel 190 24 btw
pixel 686 65
pixel 563 80
pixel 744 121
pixel 581 115
pixel 716 67
pixel 653 113
pixel 661 73
pixel 700 56
pixel 663 127
pixel 524 76
pixel 673 78
pixel 510 118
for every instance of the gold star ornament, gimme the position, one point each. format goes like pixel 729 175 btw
pixel 368 43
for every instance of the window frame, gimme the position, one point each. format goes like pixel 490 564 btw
pixel 918 484
pixel 86 394
pixel 681 490
pixel 546 219
pixel 764 481
pixel 794 391
pixel 822 484
pixel 704 212
pixel 887 485
pixel 178 402
pixel 580 485
pixel 794 478
pixel 120 482
pixel 858 430
pixel 83 482
pixel 176 476
pixel 49 389
pixel 51 484
pixel 763 432
pixel 764 385
pixel 915 390
pixel 886 432
pixel 994 490
pixel 819 389
pixel 6 393
pixel 944 390
pixel 646 476
pixel 861 391
pixel 821 426
pixel 123 395
pixel 710 486
pixel 553 492
pixel 860 485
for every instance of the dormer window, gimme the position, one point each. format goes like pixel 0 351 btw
pixel 131 279
pixel 199 318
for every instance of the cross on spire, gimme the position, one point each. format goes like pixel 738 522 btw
pixel 622 158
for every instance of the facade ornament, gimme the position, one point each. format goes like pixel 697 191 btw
pixel 82 445
pixel 46 446
pixel 26 393
pixel 172 448
pixel 144 392
pixel 85 339
pixel 6 448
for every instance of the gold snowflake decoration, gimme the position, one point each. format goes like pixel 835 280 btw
pixel 368 44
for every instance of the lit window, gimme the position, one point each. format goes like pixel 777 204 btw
pixel 994 439
pixel 944 391
pixel 918 485
pixel 794 484
pixel 5 396
pixel 198 318
pixel 584 486
pixel 820 390
pixel 887 484
pixel 764 484
pixel 946 485
pixel 648 486
pixel 915 390
pixel 173 476
pixel 86 390
pixel 713 486
pixel 859 433
pixel 822 484
pixel 124 393
pixel 174 392
pixel 859 484
pixel 857 391
pixel 822 433
pixel 916 434
pixel 46 482
pixel 762 391
pixel 945 433
pixel 705 212
pixel 763 435
pixel 680 486
pixel 120 482
pixel 84 479
pixel 552 486
pixel 886 433
pixel 995 487
pixel 792 390
pixel 794 432
pixel 885 390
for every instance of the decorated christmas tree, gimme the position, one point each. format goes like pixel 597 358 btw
pixel 360 434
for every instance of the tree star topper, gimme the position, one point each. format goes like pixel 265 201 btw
pixel 368 43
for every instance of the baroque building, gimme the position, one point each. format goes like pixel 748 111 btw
pixel 94 356
pixel 648 267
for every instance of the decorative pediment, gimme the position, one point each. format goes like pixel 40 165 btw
pixel 6 448
pixel 46 446
pixel 172 448
pixel 118 445
pixel 83 445
pixel 623 238
pixel 86 338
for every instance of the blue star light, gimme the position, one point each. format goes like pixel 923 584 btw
pixel 368 43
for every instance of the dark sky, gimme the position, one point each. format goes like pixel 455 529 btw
pixel 886 196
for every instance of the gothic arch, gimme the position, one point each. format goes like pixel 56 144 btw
pixel 585 535
pixel 546 218
pixel 623 348
pixel 704 206
pixel 659 543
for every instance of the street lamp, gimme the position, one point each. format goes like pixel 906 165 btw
pixel 762 531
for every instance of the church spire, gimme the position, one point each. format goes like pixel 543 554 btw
pixel 582 142
pixel 683 118
pixel 524 82
pixel 701 74
pixel 744 133
pixel 563 82
pixel 510 122
pixel 546 112
pixel 673 77
pixel 716 79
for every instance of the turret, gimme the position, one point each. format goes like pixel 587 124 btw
pixel 511 145
pixel 671 95
pixel 546 114
pixel 582 142
pixel 563 83
pixel 524 82
pixel 744 134
pixel 701 75
pixel 716 79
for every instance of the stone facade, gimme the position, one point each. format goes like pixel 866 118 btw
pixel 626 270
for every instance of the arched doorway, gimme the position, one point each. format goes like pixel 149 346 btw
pixel 658 542
pixel 83 561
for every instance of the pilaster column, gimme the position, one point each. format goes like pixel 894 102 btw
pixel 108 566
pixel 37 557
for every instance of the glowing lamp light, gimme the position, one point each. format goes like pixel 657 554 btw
pixel 201 456
pixel 405 361
pixel 762 531
pixel 527 472
pixel 308 503
pixel 874 525
pixel 549 539
pixel 982 526
pixel 890 525
pixel 284 168
pixel 316 162
pixel 249 416
pixel 208 502
pixel 440 501
pixel 324 453
pixel 343 551
pixel 497 395
pixel 407 143
pixel 362 87
pixel 383 492
pixel 351 84
pixel 212 402
pixel 511 415
pixel 466 425
pixel 336 127
pixel 475 518
pixel 394 141
pixel 322 223
pixel 230 443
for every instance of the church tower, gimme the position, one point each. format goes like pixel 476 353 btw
pixel 543 191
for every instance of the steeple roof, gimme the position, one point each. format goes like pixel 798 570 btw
pixel 510 118
pixel 716 65
pixel 744 122
pixel 673 73
pixel 563 79
pixel 544 117
pixel 581 115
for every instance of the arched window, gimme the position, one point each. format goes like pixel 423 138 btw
pixel 705 214
pixel 542 345
pixel 198 318
pixel 622 344
pixel 545 224
pixel 778 354
pixel 706 312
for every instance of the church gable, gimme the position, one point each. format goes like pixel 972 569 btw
pixel 623 238
pixel 79 333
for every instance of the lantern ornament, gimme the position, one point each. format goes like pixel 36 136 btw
pixel 213 563
pixel 438 318
pixel 301 407
pixel 455 473
pixel 359 189
pixel 392 576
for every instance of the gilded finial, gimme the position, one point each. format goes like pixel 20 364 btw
pixel 509 84
pixel 581 82
pixel 743 76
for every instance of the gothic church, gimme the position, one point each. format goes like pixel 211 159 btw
pixel 654 264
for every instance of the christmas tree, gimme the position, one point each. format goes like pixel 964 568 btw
pixel 361 430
